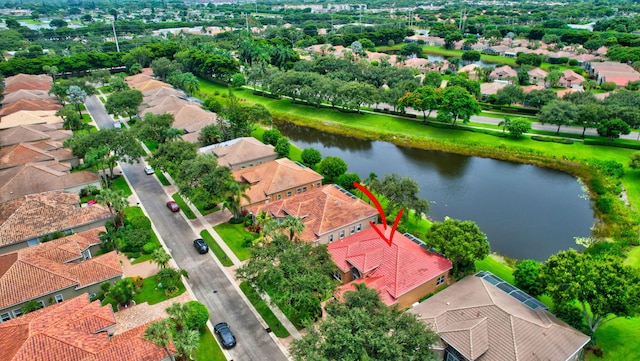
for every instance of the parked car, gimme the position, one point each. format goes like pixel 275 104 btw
pixel 201 246
pixel 173 206
pixel 148 169
pixel 227 339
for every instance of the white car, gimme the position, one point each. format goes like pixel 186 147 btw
pixel 148 169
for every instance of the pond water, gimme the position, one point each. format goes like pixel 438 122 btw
pixel 526 211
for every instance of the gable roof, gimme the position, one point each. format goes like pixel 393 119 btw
pixel 273 177
pixel 192 117
pixel 397 268
pixel 168 104
pixel 27 117
pixel 491 88
pixel 33 272
pixel 322 210
pixel 40 214
pixel 239 150
pixel 22 153
pixel 139 78
pixel 151 97
pixel 503 71
pixel 28 78
pixel 513 331
pixel 149 85
pixel 38 177
pixel 26 94
pixel 29 104
pixel 74 330
pixel 538 73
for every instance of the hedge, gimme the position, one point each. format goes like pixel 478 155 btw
pixel 606 143
pixel 553 140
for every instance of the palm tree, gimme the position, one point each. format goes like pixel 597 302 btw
pixel 159 333
pixel 261 219
pixel 160 257
pixel 505 123
pixel 186 342
pixel 116 202
pixel 293 225
pixel 235 195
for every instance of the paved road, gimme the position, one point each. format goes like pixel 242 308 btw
pixel 207 280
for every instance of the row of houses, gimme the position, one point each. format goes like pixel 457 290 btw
pixel 483 323
pixel 26 100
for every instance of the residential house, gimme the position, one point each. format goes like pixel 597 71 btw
pixel 503 73
pixel 29 104
pixel 609 71
pixel 402 272
pixel 145 75
pixel 33 133
pixel 26 94
pixel 529 88
pixel 241 152
pixel 487 89
pixel 161 105
pixel 27 82
pixel 24 220
pixel 155 96
pixel 483 318
pixel 151 84
pixel 20 154
pixel 500 50
pixel 473 71
pixel 537 76
pixel 570 79
pixel 43 176
pixel 275 180
pixel 75 330
pixel 191 118
pixel 329 213
pixel 27 117
pixel 54 271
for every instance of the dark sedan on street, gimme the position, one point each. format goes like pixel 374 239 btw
pixel 201 246
pixel 225 335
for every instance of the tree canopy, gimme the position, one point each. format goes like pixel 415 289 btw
pixel 364 328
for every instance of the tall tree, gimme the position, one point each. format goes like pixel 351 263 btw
pixel 589 115
pixel 527 277
pixel 76 96
pixel 422 99
pixel 558 112
pixel 456 104
pixel 331 168
pixel 124 103
pixel 364 328
pixel 160 257
pixel 169 156
pixel 235 193
pixel 153 127
pixel 159 333
pixel 400 192
pixel 602 285
pixel 116 202
pixel 462 243
pixel 202 179
pixel 612 128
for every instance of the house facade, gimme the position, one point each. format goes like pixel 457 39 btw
pixel 276 180
pixel 402 272
pixel 483 318
pixel 329 213
pixel 55 271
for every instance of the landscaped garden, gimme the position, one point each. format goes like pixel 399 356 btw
pixel 237 238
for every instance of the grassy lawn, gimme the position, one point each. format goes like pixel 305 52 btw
pixel 264 310
pixel 103 100
pixel 86 118
pixel 105 89
pixel 209 350
pixel 183 206
pixel 131 212
pixel 233 235
pixel 151 145
pixel 497 267
pixel 163 180
pixel 152 295
pixel 633 257
pixel 618 339
pixel 382 127
pixel 215 248
pixel 119 183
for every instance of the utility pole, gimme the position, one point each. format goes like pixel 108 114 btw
pixel 115 36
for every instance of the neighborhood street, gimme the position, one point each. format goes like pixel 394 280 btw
pixel 206 278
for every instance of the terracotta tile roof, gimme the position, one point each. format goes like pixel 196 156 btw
pixel 33 133
pixel 169 104
pixel 503 72
pixel 24 85
pixel 39 177
pixel 537 72
pixel 41 270
pixel 404 265
pixel 26 94
pixel 29 104
pixel 154 96
pixel 192 118
pixel 22 153
pixel 530 88
pixel 491 88
pixel 26 117
pixel 69 248
pixel 139 78
pixel 40 214
pixel 28 78
pixel 240 150
pixel 484 323
pixel 322 210
pixel 572 76
pixel 74 330
pixel 273 177
pixel 149 85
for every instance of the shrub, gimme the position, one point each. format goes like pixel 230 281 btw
pixel 610 144
pixel 553 140
pixel 282 147
pixel 247 241
pixel 604 204
pixel 596 186
pixel 311 157
pixel 138 282
pixel 89 190
pixel 271 136
pixel 134 255
pixel 138 222
pixel 198 315
pixel 149 247
pixel 570 314
pixel 236 220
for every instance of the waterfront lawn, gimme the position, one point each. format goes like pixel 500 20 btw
pixel 493 264
pixel 415 133
pixel 233 235
pixel 633 257
pixel 618 340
